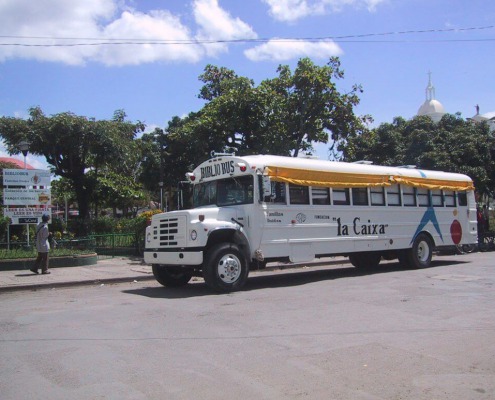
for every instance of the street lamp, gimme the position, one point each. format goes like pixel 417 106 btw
pixel 161 195
pixel 24 147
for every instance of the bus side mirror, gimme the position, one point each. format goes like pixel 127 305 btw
pixel 267 186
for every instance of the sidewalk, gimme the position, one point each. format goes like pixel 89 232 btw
pixel 106 271
pixel 111 270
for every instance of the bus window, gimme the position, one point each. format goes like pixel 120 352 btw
pixel 377 196
pixel 298 194
pixel 360 196
pixel 449 198
pixel 320 195
pixel 462 198
pixel 408 196
pixel 423 197
pixel 393 195
pixel 437 198
pixel 340 197
pixel 278 190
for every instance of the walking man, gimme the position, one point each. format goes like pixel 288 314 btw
pixel 42 246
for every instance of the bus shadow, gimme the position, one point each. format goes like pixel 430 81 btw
pixel 280 278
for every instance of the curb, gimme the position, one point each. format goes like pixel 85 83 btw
pixel 87 282
pixel 55 262
pixel 139 278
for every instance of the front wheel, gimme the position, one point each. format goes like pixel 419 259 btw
pixel 419 256
pixel 225 268
pixel 171 276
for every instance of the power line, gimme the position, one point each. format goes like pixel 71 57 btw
pixel 356 38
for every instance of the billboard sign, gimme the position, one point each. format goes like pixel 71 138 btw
pixel 28 215
pixel 26 177
pixel 26 197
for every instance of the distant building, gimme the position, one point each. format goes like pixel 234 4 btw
pixel 431 107
pixel 435 110
pixel 15 162
pixel 488 117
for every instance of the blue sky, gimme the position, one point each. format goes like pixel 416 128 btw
pixel 52 56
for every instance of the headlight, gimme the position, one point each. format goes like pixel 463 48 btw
pixel 194 235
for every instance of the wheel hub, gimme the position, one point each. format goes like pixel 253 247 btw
pixel 229 268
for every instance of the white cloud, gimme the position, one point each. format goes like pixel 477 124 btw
pixel 157 25
pixel 95 21
pixel 292 10
pixel 217 24
pixel 283 50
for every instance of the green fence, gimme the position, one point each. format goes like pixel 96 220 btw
pixel 119 244
pixel 109 245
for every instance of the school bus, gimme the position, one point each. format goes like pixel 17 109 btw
pixel 248 211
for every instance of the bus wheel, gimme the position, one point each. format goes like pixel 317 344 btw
pixel 225 268
pixel 365 260
pixel 419 256
pixel 171 276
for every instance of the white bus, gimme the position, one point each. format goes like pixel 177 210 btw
pixel 251 210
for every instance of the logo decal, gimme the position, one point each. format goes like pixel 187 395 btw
pixel 428 216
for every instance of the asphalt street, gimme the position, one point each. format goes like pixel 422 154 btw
pixel 325 332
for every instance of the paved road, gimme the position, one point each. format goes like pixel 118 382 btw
pixel 322 333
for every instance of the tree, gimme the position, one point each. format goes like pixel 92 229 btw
pixel 73 145
pixel 453 145
pixel 284 115
pixel 307 107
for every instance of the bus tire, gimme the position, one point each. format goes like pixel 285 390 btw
pixel 226 268
pixel 171 276
pixel 419 256
pixel 365 260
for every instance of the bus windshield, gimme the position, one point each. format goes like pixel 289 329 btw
pixel 224 192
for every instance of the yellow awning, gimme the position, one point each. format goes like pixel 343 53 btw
pixel 348 180
pixel 432 184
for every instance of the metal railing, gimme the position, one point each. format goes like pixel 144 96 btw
pixel 107 245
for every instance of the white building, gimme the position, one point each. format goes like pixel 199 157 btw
pixel 488 117
pixel 431 107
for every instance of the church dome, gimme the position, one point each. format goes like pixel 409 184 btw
pixel 431 106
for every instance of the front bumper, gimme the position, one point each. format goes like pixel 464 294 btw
pixel 173 257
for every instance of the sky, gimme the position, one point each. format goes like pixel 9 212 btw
pixel 92 57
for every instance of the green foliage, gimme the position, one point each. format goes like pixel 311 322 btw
pixel 74 145
pixel 453 145
pixel 4 223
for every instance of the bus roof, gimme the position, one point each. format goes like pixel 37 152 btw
pixel 315 172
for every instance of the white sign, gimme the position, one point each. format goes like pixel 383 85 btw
pixel 26 215
pixel 26 177
pixel 26 197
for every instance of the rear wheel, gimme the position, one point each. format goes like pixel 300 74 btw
pixel 365 260
pixel 225 268
pixel 171 276
pixel 419 256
